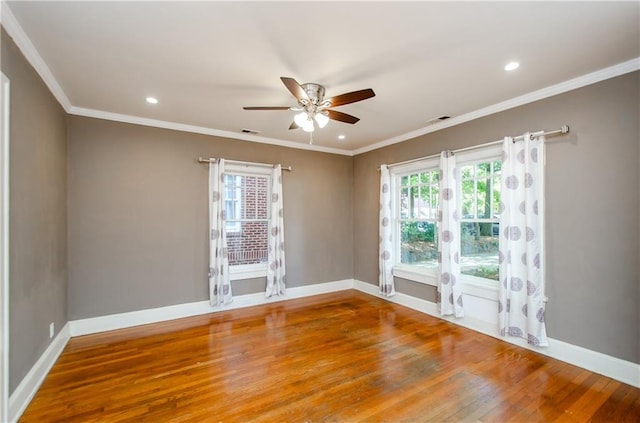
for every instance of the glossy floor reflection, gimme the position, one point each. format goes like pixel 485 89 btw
pixel 341 357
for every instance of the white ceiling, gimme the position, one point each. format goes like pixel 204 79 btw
pixel 205 60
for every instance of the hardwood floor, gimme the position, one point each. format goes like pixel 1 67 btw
pixel 341 357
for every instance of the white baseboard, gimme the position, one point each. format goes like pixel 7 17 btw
pixel 27 389
pixel 30 384
pixel 606 365
pixel 161 314
pixel 615 368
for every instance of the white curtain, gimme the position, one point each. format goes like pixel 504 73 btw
pixel 449 295
pixel 521 301
pixel 387 287
pixel 219 283
pixel 276 272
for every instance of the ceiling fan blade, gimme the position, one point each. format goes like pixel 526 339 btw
pixel 295 88
pixel 351 97
pixel 342 117
pixel 267 108
pixel 294 126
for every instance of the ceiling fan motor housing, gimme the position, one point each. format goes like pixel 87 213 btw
pixel 315 92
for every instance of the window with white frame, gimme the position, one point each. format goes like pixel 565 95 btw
pixel 480 225
pixel 247 219
pixel 415 189
pixel 418 218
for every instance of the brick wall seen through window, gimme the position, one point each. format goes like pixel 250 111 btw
pixel 247 219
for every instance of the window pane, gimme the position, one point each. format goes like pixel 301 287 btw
pixel 418 244
pixel 262 205
pixel 483 169
pixel 497 166
pixel 404 181
pixel 483 205
pixel 425 177
pixel 467 199
pixel 233 193
pixel 230 209
pixel 479 248
pixel 425 201
pixel 249 197
pixel 404 203
pixel 496 197
pixel 434 201
pixel 248 243
pixel 467 172
pixel 246 197
pixel 414 202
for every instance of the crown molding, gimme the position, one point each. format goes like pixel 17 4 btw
pixel 572 84
pixel 22 40
pixel 99 114
pixel 32 55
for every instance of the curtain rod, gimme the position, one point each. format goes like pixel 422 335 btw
pixel 201 160
pixel 563 130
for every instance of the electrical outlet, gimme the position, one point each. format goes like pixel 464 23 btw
pixel 52 330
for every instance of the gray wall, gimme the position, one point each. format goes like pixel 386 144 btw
pixel 137 212
pixel 138 215
pixel 593 204
pixel 37 215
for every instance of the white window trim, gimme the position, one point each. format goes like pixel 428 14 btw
pixel 247 271
pixel 415 274
pixel 257 270
pixel 247 169
pixel 471 285
pixel 491 152
pixel 480 287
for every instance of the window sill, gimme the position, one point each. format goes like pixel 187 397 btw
pixel 416 274
pixel 480 287
pixel 471 285
pixel 247 271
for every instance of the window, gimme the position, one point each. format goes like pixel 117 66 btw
pixel 415 189
pixel 247 220
pixel 418 218
pixel 480 227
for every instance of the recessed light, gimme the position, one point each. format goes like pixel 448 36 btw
pixel 512 66
pixel 152 100
pixel 341 137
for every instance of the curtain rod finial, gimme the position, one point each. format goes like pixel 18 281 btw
pixel 565 129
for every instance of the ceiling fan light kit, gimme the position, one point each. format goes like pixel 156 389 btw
pixel 312 106
pixel 321 119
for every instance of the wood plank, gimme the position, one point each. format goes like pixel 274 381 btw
pixel 344 356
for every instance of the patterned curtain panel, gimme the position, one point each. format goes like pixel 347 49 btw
pixel 521 301
pixel 276 272
pixel 219 283
pixel 449 295
pixel 387 287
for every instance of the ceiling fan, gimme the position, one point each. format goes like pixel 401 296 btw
pixel 312 106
